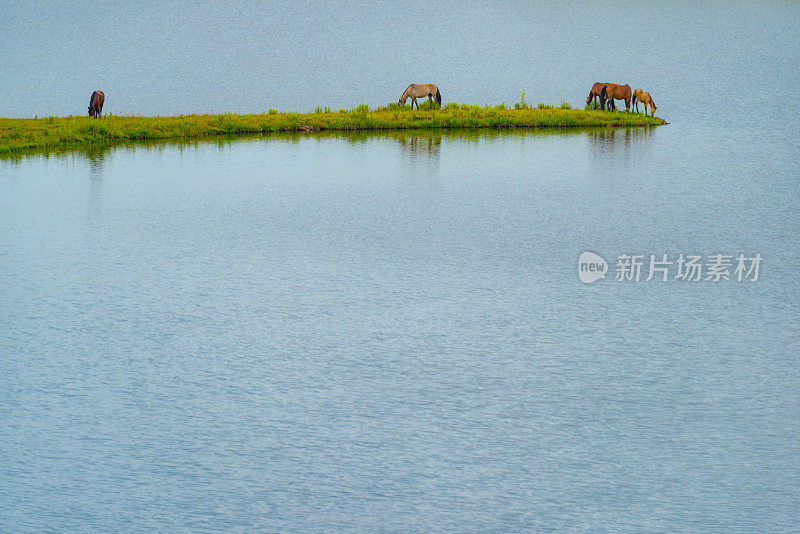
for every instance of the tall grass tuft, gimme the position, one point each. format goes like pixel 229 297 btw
pixel 428 106
pixel 521 104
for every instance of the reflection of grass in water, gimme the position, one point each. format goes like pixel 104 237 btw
pixel 27 134
pixel 98 151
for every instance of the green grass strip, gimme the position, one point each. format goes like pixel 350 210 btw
pixel 59 132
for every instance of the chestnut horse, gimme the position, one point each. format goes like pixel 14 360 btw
pixel 594 94
pixel 420 90
pixel 614 91
pixel 96 104
pixel 644 98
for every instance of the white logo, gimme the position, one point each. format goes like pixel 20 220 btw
pixel 664 267
pixel 591 267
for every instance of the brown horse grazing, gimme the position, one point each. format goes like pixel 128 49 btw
pixel 614 91
pixel 644 98
pixel 420 90
pixel 594 94
pixel 96 104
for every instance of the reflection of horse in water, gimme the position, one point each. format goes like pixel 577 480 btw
pixel 421 144
pixel 614 139
pixel 420 152
pixel 614 91
pixel 644 98
pixel 420 90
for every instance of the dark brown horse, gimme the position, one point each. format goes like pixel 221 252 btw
pixel 613 91
pixel 96 104
pixel 594 94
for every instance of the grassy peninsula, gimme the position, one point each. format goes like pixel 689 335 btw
pixel 59 132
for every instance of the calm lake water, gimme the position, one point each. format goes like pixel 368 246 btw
pixel 387 332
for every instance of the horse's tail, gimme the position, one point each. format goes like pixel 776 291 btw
pixel 652 106
pixel 438 97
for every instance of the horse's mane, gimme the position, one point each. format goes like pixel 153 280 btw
pixel 407 88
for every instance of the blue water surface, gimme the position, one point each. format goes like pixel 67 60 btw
pixel 387 332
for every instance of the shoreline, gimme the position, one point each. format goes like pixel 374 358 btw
pixel 20 135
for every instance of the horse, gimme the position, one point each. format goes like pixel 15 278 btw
pixel 595 92
pixel 416 90
pixel 613 91
pixel 644 98
pixel 96 104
